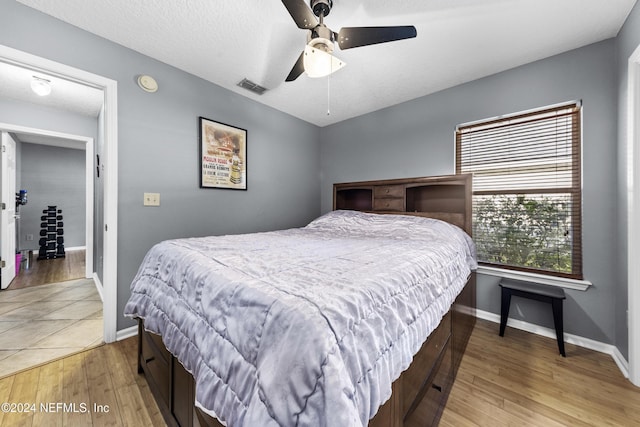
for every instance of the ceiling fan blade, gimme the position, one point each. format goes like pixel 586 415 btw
pixel 350 37
pixel 301 14
pixel 297 69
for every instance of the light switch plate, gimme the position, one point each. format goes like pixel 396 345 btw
pixel 151 199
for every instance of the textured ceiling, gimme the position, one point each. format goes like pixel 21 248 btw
pixel 458 41
pixel 66 95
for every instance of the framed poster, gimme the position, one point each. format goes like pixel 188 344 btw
pixel 223 156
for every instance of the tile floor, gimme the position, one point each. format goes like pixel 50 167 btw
pixel 42 323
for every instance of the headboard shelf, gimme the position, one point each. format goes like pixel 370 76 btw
pixel 354 198
pixel 445 197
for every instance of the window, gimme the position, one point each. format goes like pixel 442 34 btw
pixel 526 189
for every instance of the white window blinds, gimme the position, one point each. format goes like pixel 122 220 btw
pixel 526 189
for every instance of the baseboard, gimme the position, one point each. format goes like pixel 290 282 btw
pixel 99 286
pixel 127 333
pixel 568 338
pixel 622 363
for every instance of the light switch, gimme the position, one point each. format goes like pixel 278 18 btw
pixel 151 199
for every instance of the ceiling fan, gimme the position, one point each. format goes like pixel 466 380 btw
pixel 316 59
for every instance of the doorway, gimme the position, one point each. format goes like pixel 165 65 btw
pixel 72 157
pixel 107 229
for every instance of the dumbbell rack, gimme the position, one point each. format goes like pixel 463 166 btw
pixel 51 234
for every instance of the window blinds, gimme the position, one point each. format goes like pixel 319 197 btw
pixel 526 189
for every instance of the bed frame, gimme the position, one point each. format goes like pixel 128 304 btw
pixel 421 392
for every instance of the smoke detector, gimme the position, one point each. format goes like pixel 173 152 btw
pixel 147 83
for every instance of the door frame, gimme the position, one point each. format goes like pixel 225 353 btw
pixel 110 161
pixel 88 146
pixel 633 214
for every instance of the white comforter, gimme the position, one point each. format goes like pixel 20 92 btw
pixel 307 326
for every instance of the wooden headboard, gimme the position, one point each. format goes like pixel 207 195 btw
pixel 445 197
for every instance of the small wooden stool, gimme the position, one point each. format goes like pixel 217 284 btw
pixel 544 293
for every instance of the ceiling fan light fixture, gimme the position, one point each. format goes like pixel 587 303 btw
pixel 319 63
pixel 316 59
pixel 40 86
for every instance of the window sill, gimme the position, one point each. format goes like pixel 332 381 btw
pixel 580 285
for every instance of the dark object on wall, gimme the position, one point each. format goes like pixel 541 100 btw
pixel 21 198
pixel 52 241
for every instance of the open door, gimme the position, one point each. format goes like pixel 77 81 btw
pixel 8 217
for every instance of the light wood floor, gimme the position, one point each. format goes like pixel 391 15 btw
pixel 521 380
pixel 518 380
pixel 105 376
pixel 41 272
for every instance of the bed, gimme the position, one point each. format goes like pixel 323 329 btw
pixel 359 318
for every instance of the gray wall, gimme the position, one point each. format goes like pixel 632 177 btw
pixel 53 176
pixel 416 138
pixel 158 146
pixel 627 42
